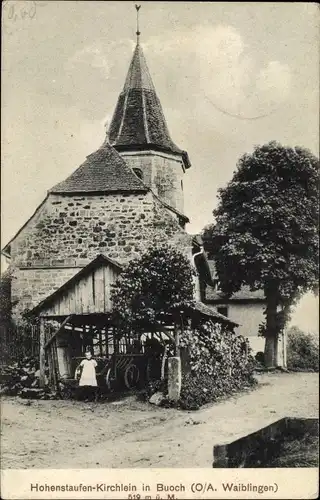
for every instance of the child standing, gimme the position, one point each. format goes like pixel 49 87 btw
pixel 88 377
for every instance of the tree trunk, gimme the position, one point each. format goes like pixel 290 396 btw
pixel 271 351
pixel 272 334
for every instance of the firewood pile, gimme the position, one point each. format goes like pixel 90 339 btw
pixel 22 379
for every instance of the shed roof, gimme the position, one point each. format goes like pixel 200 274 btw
pixel 245 294
pixel 103 171
pixel 212 313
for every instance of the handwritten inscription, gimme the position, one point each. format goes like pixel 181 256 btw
pixel 15 11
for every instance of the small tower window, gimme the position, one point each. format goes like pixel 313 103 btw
pixel 181 185
pixel 138 173
pixel 223 310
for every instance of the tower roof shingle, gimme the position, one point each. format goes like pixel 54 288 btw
pixel 138 121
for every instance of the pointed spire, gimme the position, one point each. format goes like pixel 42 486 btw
pixel 138 121
pixel 138 76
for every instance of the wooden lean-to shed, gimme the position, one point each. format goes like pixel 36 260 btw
pixel 77 317
pixel 81 312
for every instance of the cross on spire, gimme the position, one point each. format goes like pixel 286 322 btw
pixel 138 31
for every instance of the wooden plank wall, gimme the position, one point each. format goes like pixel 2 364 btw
pixel 91 294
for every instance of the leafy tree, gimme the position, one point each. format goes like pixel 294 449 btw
pixel 5 297
pixel 159 281
pixel 303 350
pixel 266 231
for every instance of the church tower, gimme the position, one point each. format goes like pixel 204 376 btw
pixel 125 197
pixel 139 132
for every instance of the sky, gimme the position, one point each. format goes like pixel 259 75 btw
pixel 229 76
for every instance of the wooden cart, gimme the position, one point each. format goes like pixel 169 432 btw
pixel 124 371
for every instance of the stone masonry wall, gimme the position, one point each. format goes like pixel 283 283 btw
pixel 162 172
pixel 69 231
pixel 31 285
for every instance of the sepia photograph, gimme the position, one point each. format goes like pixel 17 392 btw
pixel 159 248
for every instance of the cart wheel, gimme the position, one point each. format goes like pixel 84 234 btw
pixel 131 376
pixel 108 378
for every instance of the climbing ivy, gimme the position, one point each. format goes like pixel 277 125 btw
pixel 220 362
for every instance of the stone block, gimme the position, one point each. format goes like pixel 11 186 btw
pixel 156 398
pixel 174 378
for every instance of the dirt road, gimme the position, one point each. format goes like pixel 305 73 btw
pixel 70 434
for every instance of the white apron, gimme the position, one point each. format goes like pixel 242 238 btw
pixel 88 375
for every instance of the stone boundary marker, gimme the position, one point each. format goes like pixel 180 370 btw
pixel 257 448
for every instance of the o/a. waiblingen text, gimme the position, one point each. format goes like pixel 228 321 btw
pixel 137 492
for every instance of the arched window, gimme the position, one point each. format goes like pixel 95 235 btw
pixel 138 172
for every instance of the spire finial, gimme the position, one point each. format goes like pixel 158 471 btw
pixel 138 31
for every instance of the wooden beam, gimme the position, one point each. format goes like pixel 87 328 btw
pixel 55 363
pixel 171 337
pixel 55 333
pixel 177 341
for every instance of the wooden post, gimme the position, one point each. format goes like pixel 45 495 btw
pixel 55 363
pixel 163 362
pixel 116 351
pixel 42 354
pixel 285 338
pixel 50 377
pixel 177 336
pixel 100 341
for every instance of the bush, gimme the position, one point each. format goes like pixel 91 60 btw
pixel 216 363
pixel 220 364
pixel 159 281
pixel 22 379
pixel 259 360
pixel 199 390
pixel 302 351
pixel 5 297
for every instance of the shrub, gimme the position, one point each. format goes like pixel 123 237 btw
pixel 302 350
pixel 217 363
pixel 159 281
pixel 5 297
pixel 220 364
pixel 201 389
pixel 259 357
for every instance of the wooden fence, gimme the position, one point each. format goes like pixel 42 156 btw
pixel 18 341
